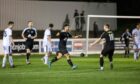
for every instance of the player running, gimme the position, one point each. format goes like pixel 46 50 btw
pixel 63 36
pixel 29 34
pixel 7 45
pixel 126 37
pixel 108 48
pixel 136 41
pixel 47 43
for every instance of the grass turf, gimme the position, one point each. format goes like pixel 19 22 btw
pixel 126 71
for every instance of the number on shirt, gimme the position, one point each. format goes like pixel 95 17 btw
pixel 111 36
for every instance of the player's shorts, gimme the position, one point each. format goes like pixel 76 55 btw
pixel 127 43
pixel 47 48
pixel 63 49
pixel 136 46
pixel 107 51
pixel 29 45
pixel 63 52
pixel 7 49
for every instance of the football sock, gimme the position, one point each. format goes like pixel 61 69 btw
pixel 46 59
pixel 70 62
pixel 135 55
pixel 28 56
pixel 11 60
pixel 101 61
pixel 4 61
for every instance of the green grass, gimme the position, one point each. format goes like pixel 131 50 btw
pixel 125 71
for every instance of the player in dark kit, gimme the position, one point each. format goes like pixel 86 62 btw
pixel 126 37
pixel 108 48
pixel 63 36
pixel 29 34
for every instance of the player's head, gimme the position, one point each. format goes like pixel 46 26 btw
pixel 51 25
pixel 138 25
pixel 30 24
pixel 66 28
pixel 106 27
pixel 11 24
pixel 76 11
pixel 127 30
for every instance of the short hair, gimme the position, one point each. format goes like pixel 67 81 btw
pixel 137 23
pixel 51 25
pixel 10 23
pixel 107 25
pixel 30 21
pixel 65 25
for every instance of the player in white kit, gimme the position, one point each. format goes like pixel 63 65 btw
pixel 47 43
pixel 7 45
pixel 136 40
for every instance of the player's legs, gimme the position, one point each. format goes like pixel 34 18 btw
pixel 58 56
pixel 28 53
pixel 4 60
pixel 29 46
pixel 136 51
pixel 126 48
pixel 103 53
pixel 11 61
pixel 101 62
pixel 47 50
pixel 110 57
pixel 70 61
pixel 7 52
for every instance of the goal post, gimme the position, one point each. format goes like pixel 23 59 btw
pixel 102 16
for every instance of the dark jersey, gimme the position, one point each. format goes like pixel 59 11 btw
pixel 126 36
pixel 29 32
pixel 63 39
pixel 109 39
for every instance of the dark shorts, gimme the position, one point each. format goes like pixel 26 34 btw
pixel 63 49
pixel 29 45
pixel 126 43
pixel 108 51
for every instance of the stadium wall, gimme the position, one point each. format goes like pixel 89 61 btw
pixel 44 12
pixel 75 46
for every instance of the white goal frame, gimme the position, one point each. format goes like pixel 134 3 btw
pixel 103 16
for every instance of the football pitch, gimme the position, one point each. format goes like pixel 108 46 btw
pixel 126 71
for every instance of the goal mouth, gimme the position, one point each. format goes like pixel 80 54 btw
pixel 114 21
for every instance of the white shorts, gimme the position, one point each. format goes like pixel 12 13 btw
pixel 137 46
pixel 7 49
pixel 47 48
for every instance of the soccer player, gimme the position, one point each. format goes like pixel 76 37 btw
pixel 29 34
pixel 126 36
pixel 7 45
pixel 47 43
pixel 63 36
pixel 136 41
pixel 108 48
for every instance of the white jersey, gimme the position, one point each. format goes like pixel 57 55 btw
pixel 6 37
pixel 45 39
pixel 136 34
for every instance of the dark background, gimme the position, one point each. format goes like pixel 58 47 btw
pixel 124 7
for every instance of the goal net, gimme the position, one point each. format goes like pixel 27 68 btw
pixel 118 24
